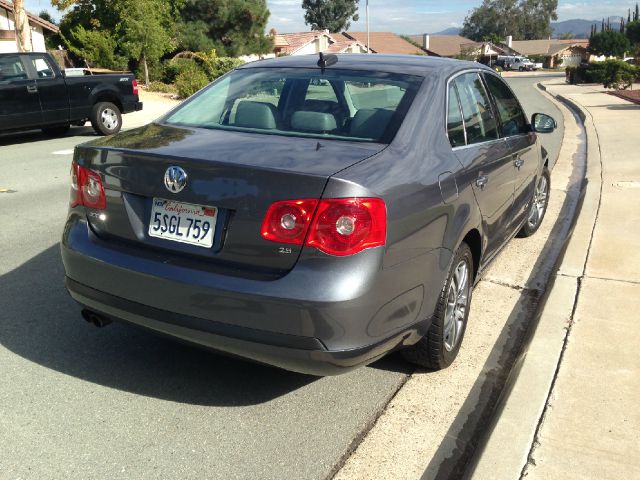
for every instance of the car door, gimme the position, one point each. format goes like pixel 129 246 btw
pixel 19 102
pixel 52 90
pixel 485 157
pixel 521 142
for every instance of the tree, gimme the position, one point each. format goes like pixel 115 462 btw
pixel 332 15
pixel 567 36
pixel 609 43
pixel 234 27
pixel 535 18
pixel 22 26
pixel 633 34
pixel 96 47
pixel 145 31
pixel 522 19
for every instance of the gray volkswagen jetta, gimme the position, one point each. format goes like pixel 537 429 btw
pixel 312 214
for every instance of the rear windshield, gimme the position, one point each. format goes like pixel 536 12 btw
pixel 337 104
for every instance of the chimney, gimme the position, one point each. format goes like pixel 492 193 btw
pixel 509 41
pixel 425 41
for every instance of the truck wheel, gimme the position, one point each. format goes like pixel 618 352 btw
pixel 440 346
pixel 57 131
pixel 105 118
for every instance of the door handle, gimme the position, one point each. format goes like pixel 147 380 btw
pixel 32 88
pixel 518 163
pixel 481 181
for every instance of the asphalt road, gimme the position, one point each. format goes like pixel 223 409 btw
pixel 79 402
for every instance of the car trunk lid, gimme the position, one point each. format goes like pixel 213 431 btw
pixel 238 174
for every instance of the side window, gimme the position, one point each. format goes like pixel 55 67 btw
pixel 480 124
pixel 455 126
pixel 513 118
pixel 43 69
pixel 11 69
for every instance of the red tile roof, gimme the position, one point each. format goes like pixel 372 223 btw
pixel 386 42
pixel 292 42
pixel 444 45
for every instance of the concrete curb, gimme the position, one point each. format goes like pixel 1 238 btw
pixel 512 440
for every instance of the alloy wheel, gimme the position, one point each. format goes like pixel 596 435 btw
pixel 539 203
pixel 457 299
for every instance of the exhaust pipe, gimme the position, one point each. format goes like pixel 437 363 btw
pixel 95 318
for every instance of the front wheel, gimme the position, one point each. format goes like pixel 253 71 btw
pixel 440 346
pixel 539 204
pixel 106 118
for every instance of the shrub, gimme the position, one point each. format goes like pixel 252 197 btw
pixel 190 80
pixel 162 87
pixel 613 74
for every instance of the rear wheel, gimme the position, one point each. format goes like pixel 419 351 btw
pixel 57 131
pixel 538 207
pixel 106 118
pixel 440 346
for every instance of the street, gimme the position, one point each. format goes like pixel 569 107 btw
pixel 78 402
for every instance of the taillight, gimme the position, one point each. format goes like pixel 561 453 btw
pixel 340 226
pixel 344 226
pixel 288 221
pixel 87 188
pixel 134 84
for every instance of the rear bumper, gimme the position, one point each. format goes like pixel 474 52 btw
pixel 129 107
pixel 301 354
pixel 321 318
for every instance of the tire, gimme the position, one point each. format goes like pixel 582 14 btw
pixel 106 118
pixel 439 347
pixel 57 131
pixel 539 204
pixel 521 69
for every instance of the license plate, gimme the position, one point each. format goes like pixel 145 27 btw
pixel 183 222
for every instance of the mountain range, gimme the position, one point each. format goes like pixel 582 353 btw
pixel 577 27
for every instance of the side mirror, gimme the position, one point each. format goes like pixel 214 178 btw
pixel 543 123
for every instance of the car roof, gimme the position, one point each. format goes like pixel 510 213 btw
pixel 402 64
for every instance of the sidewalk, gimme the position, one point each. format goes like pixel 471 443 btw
pixel 585 422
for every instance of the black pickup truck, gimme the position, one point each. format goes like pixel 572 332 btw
pixel 35 93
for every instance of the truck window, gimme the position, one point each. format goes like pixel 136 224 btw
pixel 42 66
pixel 11 69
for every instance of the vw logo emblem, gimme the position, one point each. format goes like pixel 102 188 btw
pixel 175 179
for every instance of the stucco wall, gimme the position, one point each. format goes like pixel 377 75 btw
pixel 10 46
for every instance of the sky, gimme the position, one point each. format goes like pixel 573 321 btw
pixel 408 16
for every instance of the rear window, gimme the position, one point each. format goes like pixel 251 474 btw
pixel 336 104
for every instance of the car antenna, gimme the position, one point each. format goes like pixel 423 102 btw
pixel 327 60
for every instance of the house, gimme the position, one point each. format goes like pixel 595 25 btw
pixel 39 28
pixel 450 46
pixel 386 43
pixel 303 43
pixel 556 53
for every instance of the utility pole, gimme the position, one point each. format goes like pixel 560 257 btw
pixel 368 33
pixel 23 31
